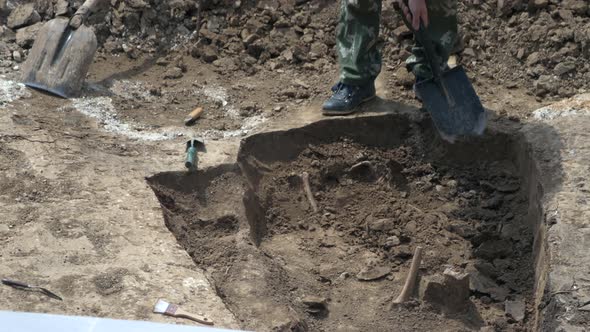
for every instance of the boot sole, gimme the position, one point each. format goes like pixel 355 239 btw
pixel 350 111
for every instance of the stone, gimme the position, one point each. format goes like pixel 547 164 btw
pixel 162 62
pixel 391 241
pixel 585 308
pixel 533 59
pixel 130 51
pixel 16 56
pixel 504 7
pixel 546 84
pixel 25 37
pixel 494 249
pixel 23 15
pixel 578 7
pixel 315 304
pixel 538 4
pixel 487 268
pixel 272 5
pixel 173 73
pixel 563 68
pixel 318 50
pixel 484 285
pixel 301 20
pixel 448 293
pixel 404 77
pixel 209 55
pixel 469 52
pixel 383 224
pixel 226 64
pixel 372 272
pixel 566 14
pixel 515 309
pixel 61 7
pixel 7 35
pixel 215 23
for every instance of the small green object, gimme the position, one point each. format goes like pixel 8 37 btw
pixel 191 153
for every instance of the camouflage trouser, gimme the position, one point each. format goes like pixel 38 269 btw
pixel 358 31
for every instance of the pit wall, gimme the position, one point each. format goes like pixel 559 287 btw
pixel 554 157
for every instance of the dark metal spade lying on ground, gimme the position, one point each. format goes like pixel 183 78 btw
pixel 449 97
pixel 62 53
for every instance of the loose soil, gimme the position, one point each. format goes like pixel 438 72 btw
pixel 279 266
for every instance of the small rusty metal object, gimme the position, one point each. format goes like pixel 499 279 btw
pixel 191 153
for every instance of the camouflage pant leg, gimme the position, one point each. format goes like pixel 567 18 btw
pixel 358 29
pixel 442 31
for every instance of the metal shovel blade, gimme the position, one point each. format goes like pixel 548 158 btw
pixel 60 58
pixel 453 104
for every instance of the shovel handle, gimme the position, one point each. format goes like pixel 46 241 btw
pixel 87 7
pixel 431 56
pixel 82 13
pixel 426 43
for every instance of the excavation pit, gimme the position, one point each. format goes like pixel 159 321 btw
pixel 383 185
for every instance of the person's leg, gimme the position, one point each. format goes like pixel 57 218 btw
pixel 358 30
pixel 442 31
pixel 359 58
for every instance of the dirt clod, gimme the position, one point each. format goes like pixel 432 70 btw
pixel 110 282
pixel 515 309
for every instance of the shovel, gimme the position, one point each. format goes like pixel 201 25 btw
pixel 61 55
pixel 449 97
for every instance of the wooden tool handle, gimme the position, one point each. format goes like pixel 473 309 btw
pixel 194 115
pixel 411 279
pixel 87 7
pixel 197 318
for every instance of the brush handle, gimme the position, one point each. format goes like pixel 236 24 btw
pixel 197 318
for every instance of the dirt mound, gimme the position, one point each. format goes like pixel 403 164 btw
pixel 537 45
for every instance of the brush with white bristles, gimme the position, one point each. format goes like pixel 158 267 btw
pixel 169 309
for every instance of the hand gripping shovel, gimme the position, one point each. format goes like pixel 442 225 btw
pixel 449 97
pixel 61 55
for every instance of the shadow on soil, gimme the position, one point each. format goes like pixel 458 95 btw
pixel 384 184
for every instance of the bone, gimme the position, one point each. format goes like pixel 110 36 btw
pixel 408 289
pixel 308 193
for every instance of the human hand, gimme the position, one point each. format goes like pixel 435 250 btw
pixel 415 11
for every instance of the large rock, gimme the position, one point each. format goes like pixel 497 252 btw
pixel 25 37
pixel 23 15
pixel 448 293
